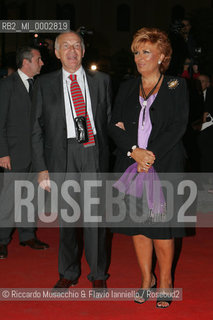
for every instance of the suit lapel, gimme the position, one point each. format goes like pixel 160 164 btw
pixel 93 90
pixel 157 104
pixel 58 91
pixel 160 113
pixel 162 95
pixel 133 96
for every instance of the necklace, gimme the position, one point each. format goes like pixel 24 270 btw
pixel 146 97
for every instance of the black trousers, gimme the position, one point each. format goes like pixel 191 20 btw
pixel 81 160
pixel 7 223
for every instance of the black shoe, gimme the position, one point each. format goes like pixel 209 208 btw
pixel 99 289
pixel 164 297
pixel 63 285
pixel 3 251
pixel 142 295
pixel 99 284
pixel 35 244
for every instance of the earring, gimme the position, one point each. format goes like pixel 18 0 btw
pixel 159 62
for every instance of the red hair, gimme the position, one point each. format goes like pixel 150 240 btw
pixel 158 37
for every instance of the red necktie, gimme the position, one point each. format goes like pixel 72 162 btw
pixel 80 107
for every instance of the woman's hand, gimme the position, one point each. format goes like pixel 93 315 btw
pixel 144 159
pixel 145 169
pixel 120 125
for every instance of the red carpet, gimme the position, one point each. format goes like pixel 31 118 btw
pixel 28 268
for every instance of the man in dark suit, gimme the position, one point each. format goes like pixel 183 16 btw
pixel 56 149
pixel 205 136
pixel 15 141
pixel 207 91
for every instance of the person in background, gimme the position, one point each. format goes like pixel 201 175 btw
pixel 189 38
pixel 51 63
pixel 15 140
pixel 207 93
pixel 7 71
pixel 206 136
pixel 190 71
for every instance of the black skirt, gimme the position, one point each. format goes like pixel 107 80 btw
pixel 138 220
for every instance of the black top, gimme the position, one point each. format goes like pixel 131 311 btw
pixel 169 116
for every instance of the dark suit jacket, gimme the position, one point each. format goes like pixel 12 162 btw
pixel 208 104
pixel 205 137
pixel 49 136
pixel 15 129
pixel 169 115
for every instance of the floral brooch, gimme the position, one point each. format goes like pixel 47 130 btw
pixel 172 84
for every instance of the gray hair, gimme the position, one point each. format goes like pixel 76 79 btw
pixel 70 31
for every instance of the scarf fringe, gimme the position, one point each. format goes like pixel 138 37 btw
pixel 158 216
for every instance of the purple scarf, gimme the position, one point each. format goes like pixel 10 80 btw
pixel 134 183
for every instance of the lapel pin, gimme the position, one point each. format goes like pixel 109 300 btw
pixel 172 84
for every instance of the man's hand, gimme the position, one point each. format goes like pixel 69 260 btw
pixel 5 162
pixel 120 125
pixel 44 180
pixel 144 159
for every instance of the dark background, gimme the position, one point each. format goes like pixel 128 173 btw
pixel 113 23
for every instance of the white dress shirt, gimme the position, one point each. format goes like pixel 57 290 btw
pixel 82 81
pixel 24 78
pixel 204 94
